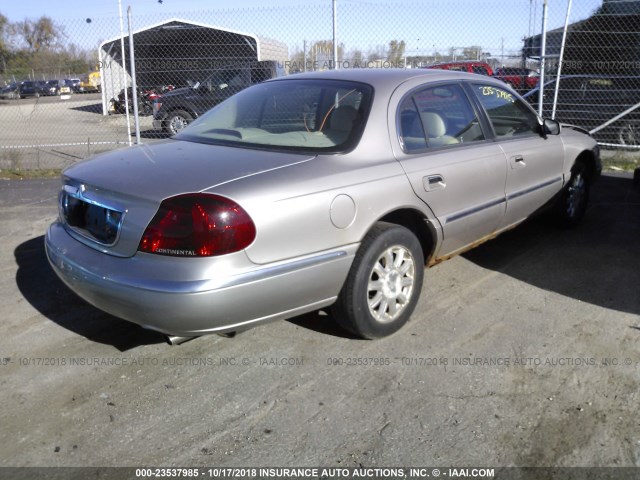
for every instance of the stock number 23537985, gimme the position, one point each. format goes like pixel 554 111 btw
pixel 359 361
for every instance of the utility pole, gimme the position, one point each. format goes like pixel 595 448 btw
pixel 335 35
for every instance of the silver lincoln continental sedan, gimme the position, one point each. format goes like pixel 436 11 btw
pixel 327 189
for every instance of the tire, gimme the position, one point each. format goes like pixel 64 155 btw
pixel 384 283
pixel 176 121
pixel 573 200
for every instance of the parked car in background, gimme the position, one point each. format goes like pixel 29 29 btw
pixel 10 92
pixel 73 83
pixel 175 109
pixel 469 66
pixel 51 87
pixel 29 88
pixel 317 190
pixel 65 88
pixel 592 101
pixel 40 86
pixel 522 79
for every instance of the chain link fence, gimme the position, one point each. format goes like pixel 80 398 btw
pixel 63 94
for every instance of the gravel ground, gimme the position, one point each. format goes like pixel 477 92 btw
pixel 523 352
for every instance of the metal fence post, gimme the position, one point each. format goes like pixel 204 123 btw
pixel 335 35
pixel 134 84
pixel 124 73
pixel 559 73
pixel 543 57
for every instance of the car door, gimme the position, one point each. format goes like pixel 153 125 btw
pixel 450 163
pixel 535 161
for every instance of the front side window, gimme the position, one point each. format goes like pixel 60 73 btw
pixel 438 116
pixel 508 114
pixel 298 115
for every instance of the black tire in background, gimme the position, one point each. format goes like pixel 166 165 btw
pixel 177 120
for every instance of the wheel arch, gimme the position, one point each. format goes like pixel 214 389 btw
pixel 419 225
pixel 588 159
pixel 183 108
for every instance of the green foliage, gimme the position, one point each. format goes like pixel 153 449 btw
pixel 38 48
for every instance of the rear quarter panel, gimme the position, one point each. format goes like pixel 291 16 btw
pixel 320 205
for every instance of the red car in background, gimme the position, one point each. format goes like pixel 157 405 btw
pixel 469 66
pixel 519 78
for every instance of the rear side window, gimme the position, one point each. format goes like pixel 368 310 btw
pixel 508 114
pixel 437 117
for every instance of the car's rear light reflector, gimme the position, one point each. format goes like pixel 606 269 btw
pixel 198 225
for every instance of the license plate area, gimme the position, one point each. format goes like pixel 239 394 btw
pixel 89 218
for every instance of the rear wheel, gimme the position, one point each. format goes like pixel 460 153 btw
pixel 384 283
pixel 177 120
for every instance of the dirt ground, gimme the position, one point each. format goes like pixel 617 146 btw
pixel 523 352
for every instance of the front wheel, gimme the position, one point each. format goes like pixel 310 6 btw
pixel 573 201
pixel 383 286
pixel 177 121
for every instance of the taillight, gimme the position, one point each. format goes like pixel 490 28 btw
pixel 156 104
pixel 198 225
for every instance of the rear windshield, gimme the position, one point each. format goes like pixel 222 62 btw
pixel 288 115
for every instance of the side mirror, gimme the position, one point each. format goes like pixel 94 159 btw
pixel 551 127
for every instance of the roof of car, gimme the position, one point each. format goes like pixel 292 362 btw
pixel 379 77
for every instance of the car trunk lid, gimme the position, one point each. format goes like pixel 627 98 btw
pixel 107 202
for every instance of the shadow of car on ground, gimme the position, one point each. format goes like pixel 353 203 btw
pixel 597 262
pixel 46 293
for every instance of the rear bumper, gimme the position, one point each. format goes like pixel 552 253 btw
pixel 158 123
pixel 163 293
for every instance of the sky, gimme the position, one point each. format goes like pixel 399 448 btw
pixel 427 26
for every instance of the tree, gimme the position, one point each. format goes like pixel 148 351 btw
pixel 3 44
pixel 39 34
pixel 355 58
pixel 320 54
pixel 379 52
pixel 395 53
pixel 4 22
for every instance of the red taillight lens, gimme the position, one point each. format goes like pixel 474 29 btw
pixel 157 104
pixel 198 225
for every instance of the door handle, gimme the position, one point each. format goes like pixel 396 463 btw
pixel 518 162
pixel 433 182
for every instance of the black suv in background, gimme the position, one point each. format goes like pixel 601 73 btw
pixel 29 88
pixel 174 110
